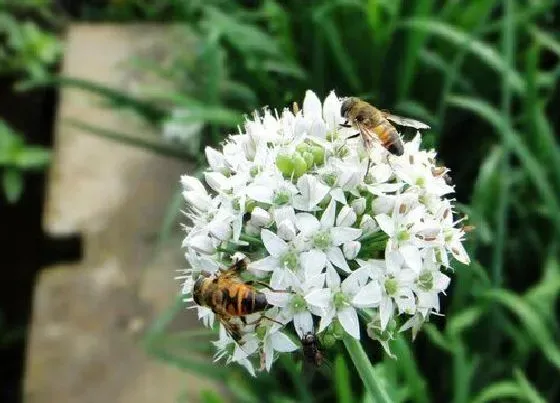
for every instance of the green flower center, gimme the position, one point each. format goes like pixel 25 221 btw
pixel 391 286
pixel 322 240
pixel 420 182
pixel 448 235
pixel 340 300
pixel 329 179
pixel 298 303
pixel 403 235
pixel 426 281
pixel 289 260
pixel 281 197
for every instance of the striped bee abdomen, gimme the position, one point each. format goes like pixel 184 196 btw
pixel 389 137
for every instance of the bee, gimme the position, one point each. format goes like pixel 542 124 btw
pixel 312 354
pixel 229 297
pixel 374 123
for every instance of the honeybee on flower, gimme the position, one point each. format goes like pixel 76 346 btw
pixel 338 238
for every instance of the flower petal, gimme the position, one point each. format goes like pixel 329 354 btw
pixel 307 224
pixel 369 296
pixel 268 263
pixel 321 298
pixel 313 262
pixel 386 224
pixel 385 311
pixel 312 106
pixel 341 235
pixel 282 343
pixel 348 318
pixel 336 257
pixel 303 323
pixel 327 219
pixel 412 257
pixel 273 244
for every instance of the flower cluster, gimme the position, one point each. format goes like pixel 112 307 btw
pixel 334 242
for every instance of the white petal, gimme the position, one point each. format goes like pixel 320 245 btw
pixel 268 352
pixel 412 257
pixel 190 183
pixel 394 260
pixel 286 230
pixel 318 129
pixel 312 106
pixel 282 343
pixel 268 263
pixel 338 195
pixel 351 249
pixel 342 234
pixel 215 159
pixel 307 223
pixel 331 111
pixel 385 311
pixel 386 224
pixel 332 277
pixel 369 296
pixel 441 281
pixel 313 262
pixel 274 245
pixel 349 320
pixel 280 299
pixel 217 181
pixel 336 257
pixel 312 190
pixel 346 217
pixel 260 193
pixel 284 213
pixel 303 323
pixel 321 298
pixel 326 319
pixel 327 219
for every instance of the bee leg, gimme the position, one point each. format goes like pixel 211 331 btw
pixel 244 320
pixel 368 165
pixel 257 282
pixel 346 124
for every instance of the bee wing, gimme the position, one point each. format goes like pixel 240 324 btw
pixel 406 121
pixel 368 135
pixel 232 329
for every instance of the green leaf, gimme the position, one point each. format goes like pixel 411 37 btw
pixel 342 380
pixel 514 140
pixel 498 391
pixel 436 337
pixel 32 157
pixel 117 98
pixel 460 321
pixel 12 182
pixel 531 321
pixel 156 147
pixel 527 390
pixel 210 396
pixel 486 53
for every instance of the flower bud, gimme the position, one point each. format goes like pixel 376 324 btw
pixel 308 157
pixel 346 217
pixel 285 164
pixel 368 224
pixel 359 205
pixel 260 217
pixel 351 249
pixel 300 166
pixel 318 154
pixel 286 230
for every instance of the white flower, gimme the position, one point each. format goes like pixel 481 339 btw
pixel 338 302
pixel 325 239
pixel 325 243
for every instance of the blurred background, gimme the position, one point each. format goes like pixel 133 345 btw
pixel 103 104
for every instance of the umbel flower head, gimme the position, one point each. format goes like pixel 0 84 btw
pixel 328 242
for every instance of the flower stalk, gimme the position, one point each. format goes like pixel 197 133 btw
pixel 361 361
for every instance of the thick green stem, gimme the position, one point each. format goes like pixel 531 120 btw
pixel 362 364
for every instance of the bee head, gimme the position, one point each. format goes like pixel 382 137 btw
pixel 347 104
pixel 197 289
pixel 308 338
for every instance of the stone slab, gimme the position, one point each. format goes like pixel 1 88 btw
pixel 88 317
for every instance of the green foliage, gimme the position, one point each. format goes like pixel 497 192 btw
pixel 15 158
pixel 485 75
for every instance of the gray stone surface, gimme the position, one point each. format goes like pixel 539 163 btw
pixel 88 317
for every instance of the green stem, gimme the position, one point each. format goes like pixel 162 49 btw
pixel 250 239
pixel 360 359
